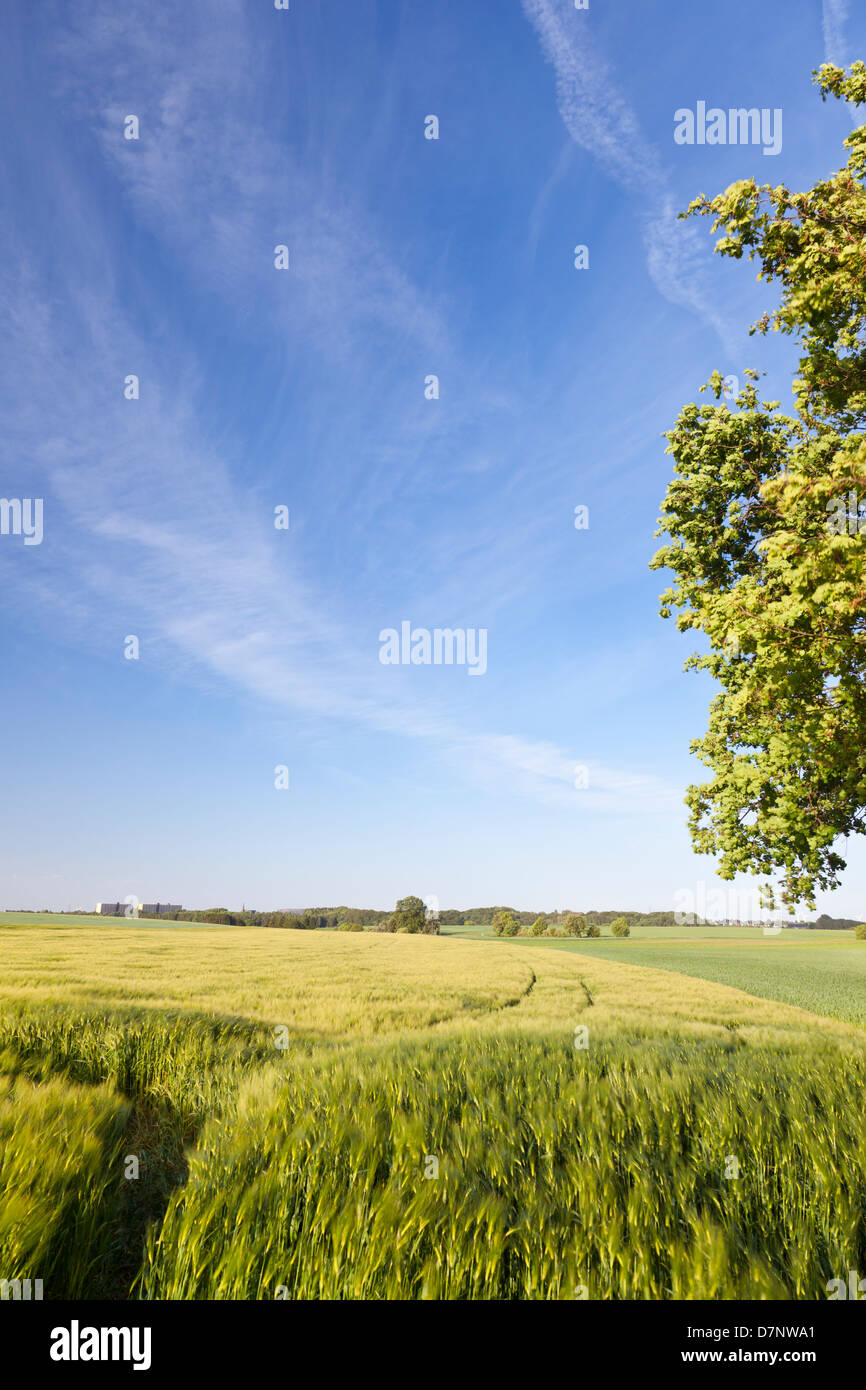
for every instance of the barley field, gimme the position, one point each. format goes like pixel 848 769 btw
pixel 237 1113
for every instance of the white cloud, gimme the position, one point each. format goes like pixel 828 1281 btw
pixel 599 119
pixel 550 772
pixel 834 15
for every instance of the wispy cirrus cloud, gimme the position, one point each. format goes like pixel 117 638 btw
pixel 600 120
pixel 834 14
pixel 589 784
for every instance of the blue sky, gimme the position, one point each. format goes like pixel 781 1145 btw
pixel 305 388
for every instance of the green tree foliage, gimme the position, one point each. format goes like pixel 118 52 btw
pixel 366 916
pixel 505 923
pixel 480 916
pixel 539 927
pixel 765 517
pixel 313 919
pixel 575 924
pixel 410 915
pixel 860 932
pixel 620 927
pixel 593 929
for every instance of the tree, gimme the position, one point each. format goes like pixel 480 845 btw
pixel 593 930
pixel 431 922
pixel 767 531
pixel 410 915
pixel 860 932
pixel 575 924
pixel 620 927
pixel 505 923
pixel 539 927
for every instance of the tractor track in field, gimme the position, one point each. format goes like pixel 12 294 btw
pixel 512 1003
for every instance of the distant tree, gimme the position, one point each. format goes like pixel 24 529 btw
pixel 593 929
pixel 539 927
pixel 410 915
pixel 575 924
pixel 620 927
pixel 350 926
pixel 505 923
pixel 860 932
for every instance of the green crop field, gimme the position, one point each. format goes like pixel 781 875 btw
pixel 80 919
pixel 484 932
pixel 827 978
pixel 245 1113
pixel 824 972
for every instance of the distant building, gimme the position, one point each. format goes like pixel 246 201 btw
pixel 111 909
pixel 157 909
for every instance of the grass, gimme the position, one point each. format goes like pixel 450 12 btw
pixel 688 935
pixel 825 979
pixel 554 1170
pixel 310 982
pixel 59 1145
pixel 72 919
pixel 484 931
pixel 825 976
pixel 80 1094
pixel 300 1170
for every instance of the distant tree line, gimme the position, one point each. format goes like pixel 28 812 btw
pixel 411 915
pixel 307 919
pixel 480 916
